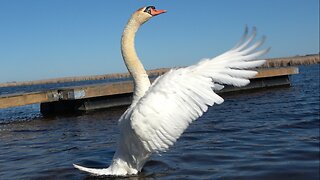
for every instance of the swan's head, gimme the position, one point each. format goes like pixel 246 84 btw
pixel 143 14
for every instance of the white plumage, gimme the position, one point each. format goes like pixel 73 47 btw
pixel 182 95
pixel 176 99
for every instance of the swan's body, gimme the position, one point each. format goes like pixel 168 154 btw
pixel 161 112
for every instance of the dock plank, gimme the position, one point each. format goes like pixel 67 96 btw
pixel 99 90
pixel 264 73
pixel 27 98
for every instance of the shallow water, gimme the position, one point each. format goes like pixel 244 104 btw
pixel 266 134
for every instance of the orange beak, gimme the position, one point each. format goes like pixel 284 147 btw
pixel 155 12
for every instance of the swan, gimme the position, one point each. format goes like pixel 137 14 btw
pixel 160 112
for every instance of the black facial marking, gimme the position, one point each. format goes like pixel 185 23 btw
pixel 148 9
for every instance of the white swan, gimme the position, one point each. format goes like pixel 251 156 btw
pixel 161 112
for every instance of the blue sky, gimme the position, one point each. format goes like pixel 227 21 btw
pixel 41 39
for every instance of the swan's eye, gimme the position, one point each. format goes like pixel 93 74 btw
pixel 148 9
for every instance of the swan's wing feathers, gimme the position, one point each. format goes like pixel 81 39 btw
pixel 177 99
pixel 182 95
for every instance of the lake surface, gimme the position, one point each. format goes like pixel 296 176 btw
pixel 265 134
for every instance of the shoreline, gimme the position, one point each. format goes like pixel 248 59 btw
pixel 272 62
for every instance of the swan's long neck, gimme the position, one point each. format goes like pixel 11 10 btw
pixel 130 57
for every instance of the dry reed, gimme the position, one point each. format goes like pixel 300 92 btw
pixel 275 62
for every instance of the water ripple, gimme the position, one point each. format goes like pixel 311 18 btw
pixel 268 134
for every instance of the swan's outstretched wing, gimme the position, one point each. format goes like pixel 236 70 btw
pixel 182 95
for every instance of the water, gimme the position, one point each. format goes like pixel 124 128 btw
pixel 266 134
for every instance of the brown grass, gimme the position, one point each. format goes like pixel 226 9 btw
pixel 274 62
pixel 293 61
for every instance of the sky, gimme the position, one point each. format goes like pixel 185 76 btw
pixel 42 39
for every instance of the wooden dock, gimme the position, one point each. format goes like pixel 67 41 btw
pixel 97 96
